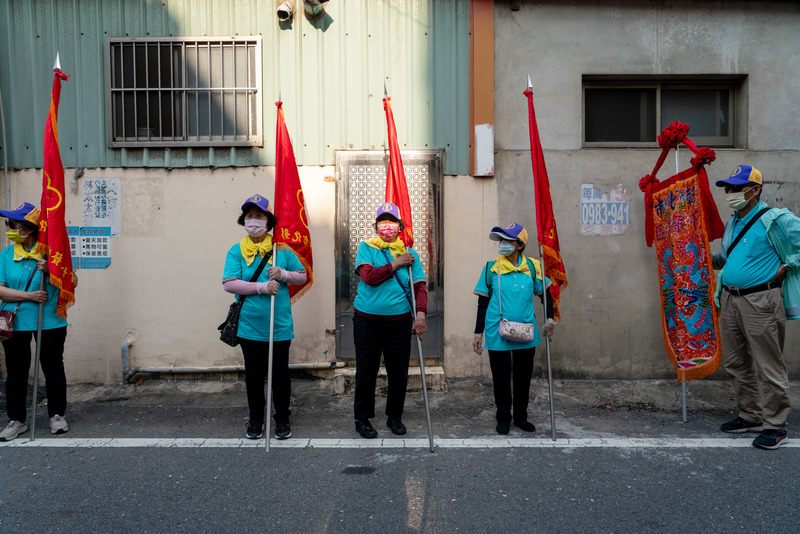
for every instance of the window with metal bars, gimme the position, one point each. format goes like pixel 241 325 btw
pixel 183 91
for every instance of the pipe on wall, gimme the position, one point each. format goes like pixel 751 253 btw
pixel 128 373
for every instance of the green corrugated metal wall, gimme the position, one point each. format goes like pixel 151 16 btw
pixel 329 73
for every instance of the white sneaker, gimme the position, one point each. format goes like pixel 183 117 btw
pixel 14 429
pixel 58 425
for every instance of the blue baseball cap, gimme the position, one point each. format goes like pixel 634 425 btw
pixel 25 212
pixel 257 200
pixel 744 174
pixel 514 232
pixel 388 209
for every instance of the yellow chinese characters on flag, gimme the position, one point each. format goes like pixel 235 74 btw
pixel 291 230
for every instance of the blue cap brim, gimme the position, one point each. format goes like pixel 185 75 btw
pixel 734 180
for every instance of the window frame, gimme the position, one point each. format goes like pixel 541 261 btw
pixel 253 91
pixel 731 83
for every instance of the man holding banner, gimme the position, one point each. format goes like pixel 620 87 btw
pixel 759 289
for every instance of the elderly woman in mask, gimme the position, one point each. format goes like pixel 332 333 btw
pixel 241 264
pixel 384 319
pixel 21 269
pixel 520 279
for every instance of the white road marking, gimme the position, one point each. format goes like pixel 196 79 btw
pixel 394 443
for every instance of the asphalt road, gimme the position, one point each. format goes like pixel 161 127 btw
pixel 464 490
pixel 639 478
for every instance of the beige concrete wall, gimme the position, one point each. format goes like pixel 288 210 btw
pixel 163 288
pixel 611 317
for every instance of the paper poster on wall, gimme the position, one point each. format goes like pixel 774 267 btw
pixel 101 203
pixel 95 247
pixel 73 233
pixel 604 213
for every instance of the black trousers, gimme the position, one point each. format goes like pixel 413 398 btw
pixel 505 364
pixel 256 362
pixel 393 340
pixel 18 363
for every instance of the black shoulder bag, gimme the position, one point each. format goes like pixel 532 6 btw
pixel 230 327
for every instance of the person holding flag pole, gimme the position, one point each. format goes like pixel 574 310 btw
pixel 248 275
pixel 385 314
pixel 45 242
pixel 506 318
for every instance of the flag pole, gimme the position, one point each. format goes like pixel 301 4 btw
pixel 269 361
pixel 683 375
pixel 547 348
pixel 421 363
pixel 546 338
pixel 36 363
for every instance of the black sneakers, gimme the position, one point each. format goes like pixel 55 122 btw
pixel 740 426
pixel 771 439
pixel 396 426
pixel 525 426
pixel 503 427
pixel 254 429
pixel 283 430
pixel 364 428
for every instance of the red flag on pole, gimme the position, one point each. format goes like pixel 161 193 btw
pixel 396 188
pixel 545 219
pixel 53 239
pixel 291 230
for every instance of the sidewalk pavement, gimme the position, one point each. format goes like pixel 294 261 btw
pixel 583 409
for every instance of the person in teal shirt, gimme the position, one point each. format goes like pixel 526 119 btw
pixel 21 271
pixel 282 268
pixel 520 279
pixel 383 320
pixel 758 290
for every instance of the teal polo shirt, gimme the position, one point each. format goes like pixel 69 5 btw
pixel 388 297
pixel 254 317
pixel 519 290
pixel 15 275
pixel 754 261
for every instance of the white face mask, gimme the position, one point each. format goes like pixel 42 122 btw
pixel 255 227
pixel 505 248
pixel 736 200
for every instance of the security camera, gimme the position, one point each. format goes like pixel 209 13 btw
pixel 285 11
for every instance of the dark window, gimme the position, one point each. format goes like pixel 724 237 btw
pixel 633 114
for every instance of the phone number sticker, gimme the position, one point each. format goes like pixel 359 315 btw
pixel 604 213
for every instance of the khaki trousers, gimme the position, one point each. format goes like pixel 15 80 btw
pixel 753 328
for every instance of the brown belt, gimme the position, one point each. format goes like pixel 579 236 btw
pixel 742 291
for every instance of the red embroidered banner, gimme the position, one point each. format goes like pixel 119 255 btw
pixel 290 206
pixel 682 218
pixel 53 239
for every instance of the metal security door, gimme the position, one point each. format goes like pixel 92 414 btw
pixel 360 190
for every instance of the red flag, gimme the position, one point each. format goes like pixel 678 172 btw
pixel 291 230
pixel 545 219
pixel 53 239
pixel 396 188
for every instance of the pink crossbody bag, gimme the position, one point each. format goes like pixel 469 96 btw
pixel 512 330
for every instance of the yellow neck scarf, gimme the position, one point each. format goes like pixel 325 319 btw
pixel 396 247
pixel 250 249
pixel 20 253
pixel 503 266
